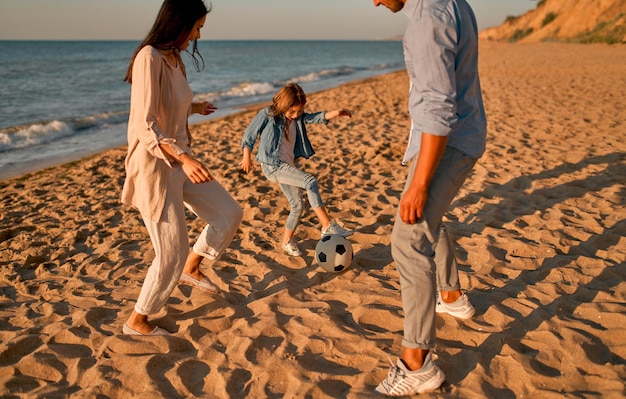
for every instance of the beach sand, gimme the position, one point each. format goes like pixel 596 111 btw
pixel 540 230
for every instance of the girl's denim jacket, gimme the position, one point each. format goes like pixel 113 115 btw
pixel 272 131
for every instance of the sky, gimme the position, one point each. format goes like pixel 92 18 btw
pixel 228 20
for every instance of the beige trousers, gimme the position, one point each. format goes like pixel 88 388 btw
pixel 211 203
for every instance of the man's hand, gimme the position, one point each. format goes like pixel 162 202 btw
pixel 413 202
pixel 412 205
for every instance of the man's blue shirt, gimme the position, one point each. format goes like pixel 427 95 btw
pixel 441 56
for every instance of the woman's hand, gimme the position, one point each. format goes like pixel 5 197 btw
pixel 195 170
pixel 203 108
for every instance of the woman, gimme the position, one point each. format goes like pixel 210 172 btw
pixel 162 176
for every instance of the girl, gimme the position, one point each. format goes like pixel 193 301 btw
pixel 162 176
pixel 283 139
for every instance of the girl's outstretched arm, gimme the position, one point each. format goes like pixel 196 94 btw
pixel 337 113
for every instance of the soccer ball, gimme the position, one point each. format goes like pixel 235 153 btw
pixel 333 253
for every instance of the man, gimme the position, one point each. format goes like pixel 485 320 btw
pixel 447 137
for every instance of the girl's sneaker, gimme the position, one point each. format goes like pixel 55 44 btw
pixel 291 248
pixel 334 228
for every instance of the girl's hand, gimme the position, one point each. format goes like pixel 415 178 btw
pixel 204 108
pixel 337 113
pixel 195 170
pixel 246 164
pixel 344 112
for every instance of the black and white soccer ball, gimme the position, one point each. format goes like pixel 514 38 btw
pixel 333 253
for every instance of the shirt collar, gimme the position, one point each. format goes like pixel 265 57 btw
pixel 410 7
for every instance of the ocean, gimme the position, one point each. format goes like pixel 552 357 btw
pixel 63 100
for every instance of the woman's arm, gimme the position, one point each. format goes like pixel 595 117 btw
pixel 145 100
pixel 203 108
pixel 194 169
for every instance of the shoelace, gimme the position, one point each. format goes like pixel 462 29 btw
pixel 395 373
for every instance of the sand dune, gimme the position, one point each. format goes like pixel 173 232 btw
pixel 583 21
pixel 540 230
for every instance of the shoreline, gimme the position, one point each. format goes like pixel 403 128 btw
pixel 539 229
pixel 42 164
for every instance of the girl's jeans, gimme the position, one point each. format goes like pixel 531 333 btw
pixel 292 181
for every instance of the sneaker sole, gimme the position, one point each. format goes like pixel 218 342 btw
pixel 291 253
pixel 435 382
pixel 346 234
pixel 462 316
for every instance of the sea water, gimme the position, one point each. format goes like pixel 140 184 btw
pixel 62 100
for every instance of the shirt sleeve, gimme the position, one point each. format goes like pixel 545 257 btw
pixel 316 117
pixel 172 143
pixel 254 129
pixel 430 46
pixel 147 96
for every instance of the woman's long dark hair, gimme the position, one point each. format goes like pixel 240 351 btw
pixel 171 29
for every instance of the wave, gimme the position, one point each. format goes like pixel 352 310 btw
pixel 324 74
pixel 252 89
pixel 240 94
pixel 44 132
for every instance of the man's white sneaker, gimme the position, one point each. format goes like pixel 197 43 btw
pixel 461 308
pixel 291 248
pixel 403 382
pixel 334 228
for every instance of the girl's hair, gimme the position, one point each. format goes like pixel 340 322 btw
pixel 288 96
pixel 171 29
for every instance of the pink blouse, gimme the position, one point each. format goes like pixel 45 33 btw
pixel 160 102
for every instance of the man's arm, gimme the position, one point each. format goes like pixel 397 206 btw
pixel 414 200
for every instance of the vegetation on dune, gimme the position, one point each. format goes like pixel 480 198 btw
pixel 604 32
pixel 511 18
pixel 519 34
pixel 561 14
pixel 549 18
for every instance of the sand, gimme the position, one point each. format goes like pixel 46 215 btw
pixel 540 231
